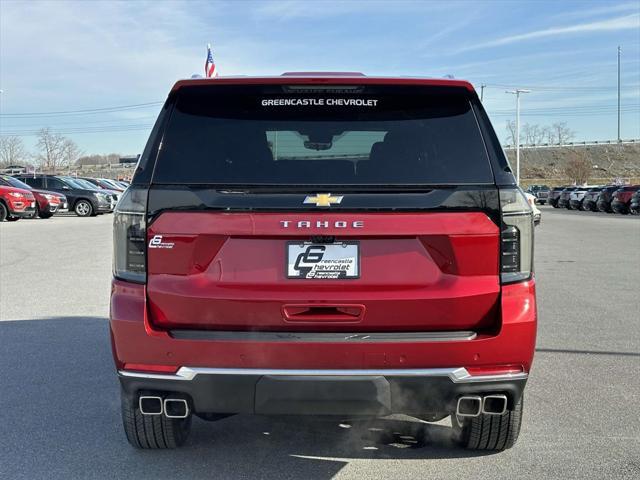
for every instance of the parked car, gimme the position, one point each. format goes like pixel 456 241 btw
pixel 565 197
pixel 621 200
pixel 84 201
pixel 103 186
pixel 115 185
pixel 554 195
pixel 105 183
pixel 589 201
pixel 274 296
pixel 606 196
pixel 537 214
pixel 47 202
pixel 634 206
pixel 577 196
pixel 541 192
pixel 16 203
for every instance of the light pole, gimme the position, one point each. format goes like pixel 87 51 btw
pixel 517 93
pixel 619 50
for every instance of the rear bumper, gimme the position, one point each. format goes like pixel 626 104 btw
pixel 323 392
pixel 232 374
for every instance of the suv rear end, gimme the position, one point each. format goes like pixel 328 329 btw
pixel 554 196
pixel 590 199
pixel 541 193
pixel 621 200
pixel 565 197
pixel 603 204
pixel 325 245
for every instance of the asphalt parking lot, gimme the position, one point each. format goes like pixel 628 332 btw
pixel 60 404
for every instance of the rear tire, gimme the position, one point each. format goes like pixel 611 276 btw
pixel 152 431
pixel 488 432
pixel 83 208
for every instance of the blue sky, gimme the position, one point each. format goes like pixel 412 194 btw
pixel 66 56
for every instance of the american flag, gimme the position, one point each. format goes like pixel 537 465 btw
pixel 210 66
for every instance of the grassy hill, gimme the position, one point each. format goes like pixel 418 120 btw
pixel 608 161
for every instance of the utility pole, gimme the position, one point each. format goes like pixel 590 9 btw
pixel 482 91
pixel 619 139
pixel 517 93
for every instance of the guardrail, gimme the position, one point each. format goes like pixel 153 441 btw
pixel 574 144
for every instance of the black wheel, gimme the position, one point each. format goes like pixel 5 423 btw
pixel 488 432
pixel 152 431
pixel 41 214
pixel 4 213
pixel 13 219
pixel 83 208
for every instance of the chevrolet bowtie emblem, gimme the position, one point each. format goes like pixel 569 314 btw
pixel 323 199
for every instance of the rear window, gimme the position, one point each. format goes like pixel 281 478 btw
pixel 279 135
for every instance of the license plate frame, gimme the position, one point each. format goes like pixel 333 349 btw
pixel 330 252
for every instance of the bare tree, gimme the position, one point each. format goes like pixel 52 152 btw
pixel 561 133
pixel 12 151
pixel 52 149
pixel 70 152
pixel 578 167
pixel 511 132
pixel 533 134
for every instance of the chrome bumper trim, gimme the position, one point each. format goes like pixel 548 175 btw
pixel 456 375
pixel 372 337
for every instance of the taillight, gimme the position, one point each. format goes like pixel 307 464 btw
pixel 129 236
pixel 516 236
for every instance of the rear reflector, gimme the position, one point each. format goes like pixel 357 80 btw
pixel 142 367
pixel 494 370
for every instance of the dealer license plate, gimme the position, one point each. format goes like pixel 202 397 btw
pixel 330 261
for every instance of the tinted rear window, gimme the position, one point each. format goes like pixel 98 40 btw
pixel 275 135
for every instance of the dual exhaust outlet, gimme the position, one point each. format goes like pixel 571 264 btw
pixel 474 405
pixel 170 407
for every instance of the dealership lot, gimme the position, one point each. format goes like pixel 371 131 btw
pixel 60 394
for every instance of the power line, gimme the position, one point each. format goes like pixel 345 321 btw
pixel 553 87
pixel 79 130
pixel 577 109
pixel 81 112
pixel 81 122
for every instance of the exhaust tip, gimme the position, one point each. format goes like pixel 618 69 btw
pixel 494 404
pixel 176 408
pixel 469 406
pixel 150 405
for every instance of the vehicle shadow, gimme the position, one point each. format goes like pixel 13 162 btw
pixel 61 400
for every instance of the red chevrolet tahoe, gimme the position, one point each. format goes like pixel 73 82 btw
pixel 323 244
